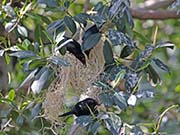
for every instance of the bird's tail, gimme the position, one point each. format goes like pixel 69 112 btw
pixel 66 114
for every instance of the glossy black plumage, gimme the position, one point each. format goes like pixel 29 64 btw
pixel 75 48
pixel 84 107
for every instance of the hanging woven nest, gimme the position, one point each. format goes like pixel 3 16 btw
pixel 82 77
pixel 54 99
pixel 78 77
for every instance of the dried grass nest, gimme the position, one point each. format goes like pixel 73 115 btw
pixel 76 76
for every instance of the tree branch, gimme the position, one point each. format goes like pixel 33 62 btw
pixel 86 6
pixel 149 10
pixel 3 75
pixel 154 14
pixel 154 4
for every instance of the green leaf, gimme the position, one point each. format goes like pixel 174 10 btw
pixel 129 22
pixel 108 54
pixel 102 85
pixel 145 93
pixel 1 52
pixel 23 54
pixel 90 31
pixel 136 131
pixel 81 18
pixel 58 61
pixel 116 121
pixel 7 101
pixel 4 100
pixel 131 82
pixel 41 80
pixel 22 31
pixel 166 44
pixel 113 123
pixel 38 62
pixel 43 18
pixel 91 41
pixel 9 26
pixel 9 10
pixel 152 75
pixel 110 126
pixel 27 115
pixel 98 6
pixel 161 65
pixel 25 44
pixel 119 38
pixel 142 65
pixel 31 48
pixel 141 37
pixel 26 83
pixel 177 89
pixel 36 47
pixel 84 120
pixel 14 114
pixel 55 28
pixel 66 4
pixel 49 3
pixel 39 35
pixel 11 94
pixel 26 66
pixel 70 24
pixel 27 105
pixel 100 20
pixel 120 100
pixel 106 99
pixel 3 40
pixel 126 51
pixel 7 58
pixel 114 9
pixel 119 76
pixel 93 127
pixel 20 120
pixel 36 110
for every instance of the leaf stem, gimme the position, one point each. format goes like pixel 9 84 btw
pixel 157 126
pixel 155 35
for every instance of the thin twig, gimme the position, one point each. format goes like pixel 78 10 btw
pixel 6 124
pixel 24 9
pixel 15 24
pixel 157 126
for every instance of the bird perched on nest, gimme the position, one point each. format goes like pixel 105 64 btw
pixel 74 48
pixel 84 107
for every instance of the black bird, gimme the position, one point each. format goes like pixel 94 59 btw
pixel 75 48
pixel 84 107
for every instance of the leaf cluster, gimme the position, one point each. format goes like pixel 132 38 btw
pixel 39 56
